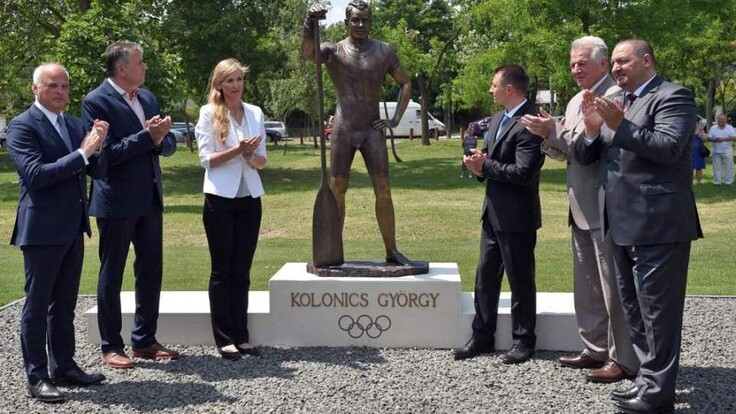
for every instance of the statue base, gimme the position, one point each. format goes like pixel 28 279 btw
pixel 370 268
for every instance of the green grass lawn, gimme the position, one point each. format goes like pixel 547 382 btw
pixel 437 220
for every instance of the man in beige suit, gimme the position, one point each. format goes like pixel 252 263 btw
pixel 608 354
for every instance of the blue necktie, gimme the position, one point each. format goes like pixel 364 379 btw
pixel 505 120
pixel 64 132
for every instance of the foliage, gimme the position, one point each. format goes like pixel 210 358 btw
pixel 448 47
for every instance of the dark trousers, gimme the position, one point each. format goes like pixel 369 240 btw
pixel 652 281
pixel 232 226
pixel 145 232
pixel 514 253
pixel 52 276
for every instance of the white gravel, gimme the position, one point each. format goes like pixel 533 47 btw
pixel 367 380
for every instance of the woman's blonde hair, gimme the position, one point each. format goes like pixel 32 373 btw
pixel 215 97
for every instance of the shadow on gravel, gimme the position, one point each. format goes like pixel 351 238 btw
pixel 352 357
pixel 146 396
pixel 212 368
pixel 269 365
pixel 706 389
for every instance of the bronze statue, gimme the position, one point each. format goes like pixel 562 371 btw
pixel 357 67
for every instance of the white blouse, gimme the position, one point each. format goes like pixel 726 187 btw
pixel 236 177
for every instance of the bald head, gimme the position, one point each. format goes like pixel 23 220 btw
pixel 51 86
pixel 632 63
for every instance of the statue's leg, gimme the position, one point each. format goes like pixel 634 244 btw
pixel 375 155
pixel 341 158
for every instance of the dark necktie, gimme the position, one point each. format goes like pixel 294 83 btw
pixel 64 132
pixel 630 98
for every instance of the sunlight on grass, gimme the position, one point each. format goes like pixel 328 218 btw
pixel 437 219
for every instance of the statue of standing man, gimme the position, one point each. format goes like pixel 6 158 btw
pixel 357 67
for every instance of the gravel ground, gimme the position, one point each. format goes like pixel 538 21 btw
pixel 366 380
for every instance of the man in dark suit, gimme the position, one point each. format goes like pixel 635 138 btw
pixel 510 166
pixel 52 156
pixel 602 326
pixel 128 203
pixel 649 210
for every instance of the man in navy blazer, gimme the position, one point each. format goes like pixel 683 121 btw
pixel 510 166
pixel 52 156
pixel 128 203
pixel 649 210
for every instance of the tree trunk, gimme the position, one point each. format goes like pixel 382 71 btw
pixel 424 102
pixel 709 102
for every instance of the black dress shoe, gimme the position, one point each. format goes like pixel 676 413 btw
pixel 249 351
pixel 46 391
pixel 518 354
pixel 638 406
pixel 626 394
pixel 229 355
pixel 472 349
pixel 76 376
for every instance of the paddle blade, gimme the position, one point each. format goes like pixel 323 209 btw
pixel 326 231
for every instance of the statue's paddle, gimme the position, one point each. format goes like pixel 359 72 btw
pixel 326 230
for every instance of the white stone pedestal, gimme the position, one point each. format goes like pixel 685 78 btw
pixel 301 309
pixel 407 311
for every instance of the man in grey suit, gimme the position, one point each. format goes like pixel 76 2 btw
pixel 650 212
pixel 601 321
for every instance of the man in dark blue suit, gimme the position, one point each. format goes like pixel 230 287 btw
pixel 128 203
pixel 52 155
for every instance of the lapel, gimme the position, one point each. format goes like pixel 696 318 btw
pixel 49 130
pixel 250 121
pixel 146 103
pixel 75 135
pixel 646 96
pixel 509 126
pixel 607 89
pixel 120 101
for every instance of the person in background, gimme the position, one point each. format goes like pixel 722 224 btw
pixel 129 202
pixel 469 142
pixel 699 140
pixel 53 157
pixel 230 136
pixel 722 136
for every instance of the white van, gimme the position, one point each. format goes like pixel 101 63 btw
pixel 412 119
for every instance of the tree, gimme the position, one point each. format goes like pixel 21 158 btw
pixel 422 32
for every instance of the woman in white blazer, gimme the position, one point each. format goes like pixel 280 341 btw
pixel 232 148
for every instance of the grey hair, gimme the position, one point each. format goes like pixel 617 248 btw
pixel 119 52
pixel 44 66
pixel 600 50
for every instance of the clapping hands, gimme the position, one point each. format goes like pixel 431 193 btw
pixel 95 138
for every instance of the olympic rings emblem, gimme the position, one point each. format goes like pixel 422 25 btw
pixel 364 325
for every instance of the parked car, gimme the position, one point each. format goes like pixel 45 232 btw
pixel 275 131
pixel 180 131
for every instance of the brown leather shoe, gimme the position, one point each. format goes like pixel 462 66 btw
pixel 611 372
pixel 580 361
pixel 117 359
pixel 155 351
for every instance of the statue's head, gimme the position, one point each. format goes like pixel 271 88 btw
pixel 358 19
